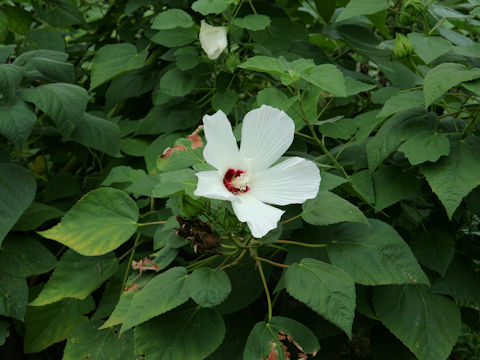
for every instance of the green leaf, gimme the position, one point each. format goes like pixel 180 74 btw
pixel 177 83
pixel 165 292
pixel 330 181
pixel 172 18
pixel 98 134
pixel 18 121
pixel 429 47
pixel 59 13
pixel 100 222
pixel 190 333
pixel 362 7
pixel 36 215
pixel 266 64
pixel 445 76
pixel 246 286
pixel 453 177
pixel 325 288
pixel 394 131
pixel 225 101
pixel 187 58
pixel 434 249
pixel 144 185
pixel 403 101
pixel 325 8
pixel 25 58
pixel 62 185
pixel 10 78
pixel 23 256
pixel 180 158
pixel 328 208
pixel 5 50
pixel 208 287
pixel 17 191
pixel 300 334
pixel 175 37
pixel 87 342
pixel 173 182
pixel 123 174
pixel 113 60
pixel 392 185
pixel 367 122
pixel 427 324
pixel 131 85
pixel 425 146
pixel 362 182
pixel 373 255
pixel 253 22
pixel 13 296
pixel 461 281
pixel 261 341
pixel 274 97
pixel 44 39
pixel 19 20
pixel 206 7
pixel 264 337
pixel 468 50
pixel 353 87
pixel 165 257
pixel 134 146
pixel 327 77
pixel 338 128
pixel 76 276
pixel 49 324
pixel 132 288
pixel 64 103
pixel 4 332
pixel 53 69
pixel 473 86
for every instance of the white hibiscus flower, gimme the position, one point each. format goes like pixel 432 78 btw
pixel 213 39
pixel 246 176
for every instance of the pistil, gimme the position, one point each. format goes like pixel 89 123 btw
pixel 236 181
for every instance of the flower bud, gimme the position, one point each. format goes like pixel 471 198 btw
pixel 410 11
pixel 402 47
pixel 213 39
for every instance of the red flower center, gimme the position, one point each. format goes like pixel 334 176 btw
pixel 233 181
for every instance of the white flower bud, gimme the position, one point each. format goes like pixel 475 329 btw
pixel 213 39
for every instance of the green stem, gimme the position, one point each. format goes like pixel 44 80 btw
pixel 267 293
pixel 271 262
pixel 236 261
pixel 471 123
pixel 291 219
pixel 125 276
pixel 151 223
pixel 321 143
pixel 200 263
pixel 301 244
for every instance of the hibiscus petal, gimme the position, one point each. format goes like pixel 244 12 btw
pixel 291 182
pixel 213 39
pixel 210 185
pixel 260 217
pixel 266 134
pixel 221 149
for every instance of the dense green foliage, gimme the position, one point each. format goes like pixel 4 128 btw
pixel 105 251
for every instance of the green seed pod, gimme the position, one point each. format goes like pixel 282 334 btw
pixel 402 47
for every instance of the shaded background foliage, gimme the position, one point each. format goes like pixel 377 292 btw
pixel 384 96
